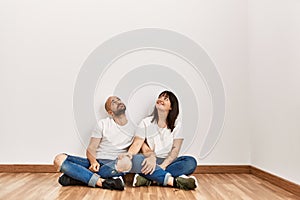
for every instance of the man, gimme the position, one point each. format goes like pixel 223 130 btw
pixel 111 137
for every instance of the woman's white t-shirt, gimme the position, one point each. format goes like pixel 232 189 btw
pixel 160 140
pixel 115 139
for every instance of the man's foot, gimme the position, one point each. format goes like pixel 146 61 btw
pixel 140 181
pixel 186 182
pixel 115 183
pixel 65 180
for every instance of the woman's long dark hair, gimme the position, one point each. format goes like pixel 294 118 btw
pixel 173 113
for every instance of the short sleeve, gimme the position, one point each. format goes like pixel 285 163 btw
pixel 97 132
pixel 141 130
pixel 177 131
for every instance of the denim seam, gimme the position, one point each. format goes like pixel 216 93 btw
pixel 92 182
pixel 167 176
pixel 61 166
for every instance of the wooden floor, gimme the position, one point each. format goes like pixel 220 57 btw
pixel 211 186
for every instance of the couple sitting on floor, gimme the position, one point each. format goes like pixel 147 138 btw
pixel 114 150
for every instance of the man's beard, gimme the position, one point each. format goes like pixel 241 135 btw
pixel 120 110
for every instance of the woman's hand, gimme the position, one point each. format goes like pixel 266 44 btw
pixel 94 167
pixel 149 165
pixel 172 154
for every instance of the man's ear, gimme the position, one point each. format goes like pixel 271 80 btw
pixel 110 113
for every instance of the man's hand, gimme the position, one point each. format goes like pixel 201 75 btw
pixel 91 154
pixel 149 165
pixel 95 166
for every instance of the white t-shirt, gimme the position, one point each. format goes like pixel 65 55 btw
pixel 115 139
pixel 160 140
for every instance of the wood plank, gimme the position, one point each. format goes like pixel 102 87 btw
pixel 216 169
pixel 211 187
pixel 282 183
pixel 201 169
pixel 18 168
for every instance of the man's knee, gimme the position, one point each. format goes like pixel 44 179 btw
pixel 124 164
pixel 58 160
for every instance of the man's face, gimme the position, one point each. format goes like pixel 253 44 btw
pixel 117 107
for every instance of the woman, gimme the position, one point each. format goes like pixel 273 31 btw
pixel 163 136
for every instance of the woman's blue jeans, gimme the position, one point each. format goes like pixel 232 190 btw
pixel 183 165
pixel 159 175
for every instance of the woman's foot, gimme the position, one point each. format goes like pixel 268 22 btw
pixel 185 182
pixel 140 181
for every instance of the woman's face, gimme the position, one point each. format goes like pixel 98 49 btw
pixel 163 103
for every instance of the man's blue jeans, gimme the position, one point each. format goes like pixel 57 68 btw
pixel 78 168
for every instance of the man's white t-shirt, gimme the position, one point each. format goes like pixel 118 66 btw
pixel 115 139
pixel 160 140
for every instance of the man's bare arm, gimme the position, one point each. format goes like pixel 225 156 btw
pixel 91 154
pixel 136 145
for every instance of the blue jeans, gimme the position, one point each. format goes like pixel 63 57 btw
pixel 183 165
pixel 78 168
pixel 159 175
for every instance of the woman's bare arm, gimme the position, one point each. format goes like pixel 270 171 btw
pixel 173 153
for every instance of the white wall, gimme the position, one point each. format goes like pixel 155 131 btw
pixel 44 44
pixel 274 55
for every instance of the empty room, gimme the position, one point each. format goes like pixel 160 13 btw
pixel 141 99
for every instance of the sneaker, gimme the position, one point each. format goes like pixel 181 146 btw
pixel 66 180
pixel 186 182
pixel 115 183
pixel 140 181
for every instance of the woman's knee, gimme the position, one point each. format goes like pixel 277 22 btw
pixel 137 163
pixel 191 163
pixel 138 158
pixel 58 160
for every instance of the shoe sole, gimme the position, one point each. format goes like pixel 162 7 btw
pixel 135 180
